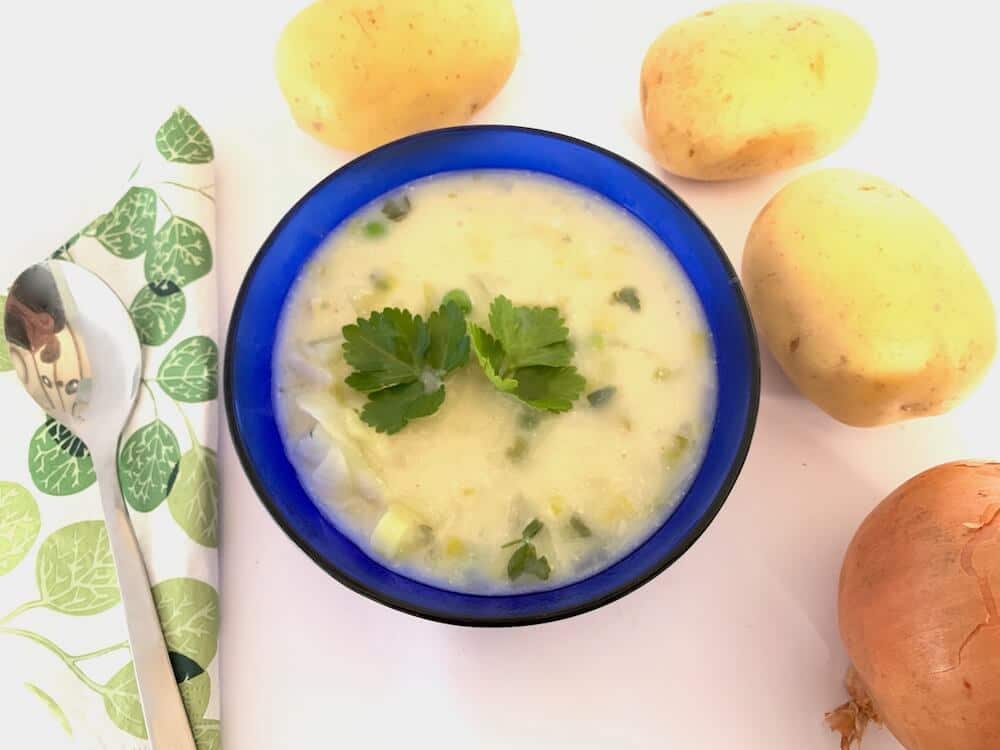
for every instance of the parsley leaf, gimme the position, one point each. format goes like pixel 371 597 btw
pixel 386 349
pixel 529 532
pixel 490 353
pixel 390 409
pixel 579 526
pixel 628 296
pixel 532 529
pixel 601 396
pixel 536 566
pixel 549 388
pixel 461 298
pixel 400 361
pixel 515 566
pixel 449 342
pixel 528 354
pixel 529 335
pixel 525 559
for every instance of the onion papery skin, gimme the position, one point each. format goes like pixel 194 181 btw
pixel 919 592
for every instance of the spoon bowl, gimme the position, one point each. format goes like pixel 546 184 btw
pixel 74 347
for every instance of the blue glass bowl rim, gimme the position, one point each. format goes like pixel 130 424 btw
pixel 437 614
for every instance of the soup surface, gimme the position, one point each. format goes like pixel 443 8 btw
pixel 488 494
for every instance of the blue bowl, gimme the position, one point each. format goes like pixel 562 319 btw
pixel 248 385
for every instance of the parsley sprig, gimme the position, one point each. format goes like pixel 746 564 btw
pixel 525 559
pixel 527 353
pixel 401 362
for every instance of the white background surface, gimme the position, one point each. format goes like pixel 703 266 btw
pixel 736 645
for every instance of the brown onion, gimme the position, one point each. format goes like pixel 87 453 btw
pixel 919 614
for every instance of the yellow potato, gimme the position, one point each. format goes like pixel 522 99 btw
pixel 752 88
pixel 358 73
pixel 866 299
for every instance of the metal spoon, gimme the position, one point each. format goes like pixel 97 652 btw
pixel 76 351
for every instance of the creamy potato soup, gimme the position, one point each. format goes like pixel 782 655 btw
pixel 486 463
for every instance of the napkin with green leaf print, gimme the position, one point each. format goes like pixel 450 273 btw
pixel 62 627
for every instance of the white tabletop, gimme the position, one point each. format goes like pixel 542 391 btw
pixel 736 645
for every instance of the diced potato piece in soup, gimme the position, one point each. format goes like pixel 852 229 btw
pixel 395 531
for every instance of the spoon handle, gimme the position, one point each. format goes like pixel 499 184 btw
pixel 166 720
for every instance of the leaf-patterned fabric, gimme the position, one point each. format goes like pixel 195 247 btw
pixel 60 608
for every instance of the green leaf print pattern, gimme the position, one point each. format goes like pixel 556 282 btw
pixel 147 466
pixel 121 702
pixel 189 372
pixel 207 735
pixel 189 612
pixel 181 253
pixel 194 498
pixel 49 702
pixel 195 693
pixel 5 363
pixel 182 139
pixel 63 251
pixel 19 525
pixel 127 229
pixel 75 570
pixel 157 311
pixel 58 460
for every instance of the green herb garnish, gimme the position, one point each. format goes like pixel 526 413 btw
pixel 581 529
pixel 627 295
pixel 401 361
pixel 396 209
pixel 382 282
pixel 528 355
pixel 529 419
pixel 525 559
pixel 530 532
pixel 373 229
pixel 460 298
pixel 601 396
pixel 532 529
pixel 677 448
pixel 518 450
